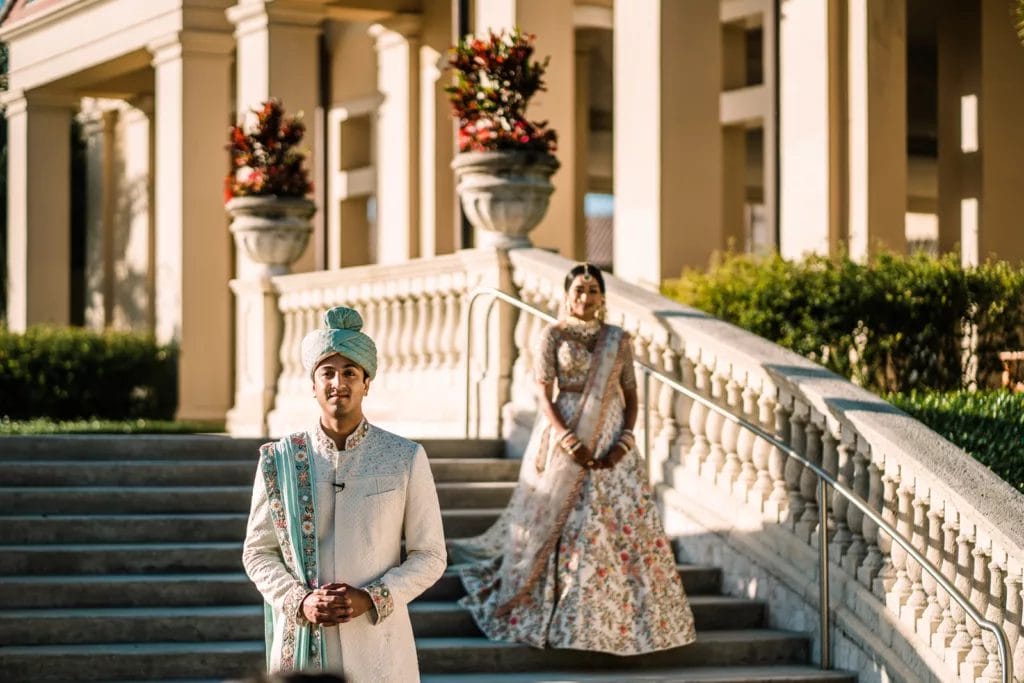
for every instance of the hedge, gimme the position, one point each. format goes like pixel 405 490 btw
pixel 987 424
pixel 891 325
pixel 73 373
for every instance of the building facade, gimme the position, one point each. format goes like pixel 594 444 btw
pixel 685 127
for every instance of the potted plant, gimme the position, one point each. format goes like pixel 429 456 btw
pixel 505 161
pixel 265 189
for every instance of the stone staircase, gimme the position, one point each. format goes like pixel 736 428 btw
pixel 120 560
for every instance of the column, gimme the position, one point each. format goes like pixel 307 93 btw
pixel 133 244
pixel 38 208
pixel 1001 135
pixel 397 42
pixel 438 234
pixel 552 22
pixel 812 127
pixel 99 131
pixel 877 140
pixel 192 243
pixel 668 140
pixel 278 55
pixel 959 52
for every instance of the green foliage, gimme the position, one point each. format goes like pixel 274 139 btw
pixel 987 424
pixel 72 373
pixel 891 325
pixel 42 425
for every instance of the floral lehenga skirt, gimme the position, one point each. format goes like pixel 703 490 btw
pixel 610 584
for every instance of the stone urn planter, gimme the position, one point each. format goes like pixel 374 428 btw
pixel 504 194
pixel 273 231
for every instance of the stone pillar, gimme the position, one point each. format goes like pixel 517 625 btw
pixel 812 128
pixel 397 42
pixel 1001 136
pixel 438 234
pixel 193 246
pixel 99 128
pixel 959 85
pixel 258 330
pixel 278 55
pixel 552 22
pixel 38 208
pixel 668 151
pixel 877 141
pixel 133 243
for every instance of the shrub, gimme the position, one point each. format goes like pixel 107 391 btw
pixel 890 325
pixel 69 373
pixel 987 424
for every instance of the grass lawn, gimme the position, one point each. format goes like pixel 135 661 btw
pixel 140 426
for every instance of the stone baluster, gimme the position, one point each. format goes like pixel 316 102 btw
pixel 946 628
pixel 917 600
pixel 977 658
pixel 393 343
pixel 450 341
pixel 435 352
pixel 900 591
pixel 287 353
pixel 684 406
pixel 1012 614
pixel 873 557
pixel 745 443
pixel 665 443
pixel 885 577
pixel 809 483
pixel 407 341
pixel 522 367
pixel 838 453
pixel 420 337
pixel 387 327
pixel 932 615
pixel 855 519
pixel 713 428
pixel 960 645
pixel 700 448
pixel 730 432
pixel 775 417
pixel 995 613
pixel 796 503
pixel 760 450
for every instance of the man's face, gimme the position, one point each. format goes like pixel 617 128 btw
pixel 339 386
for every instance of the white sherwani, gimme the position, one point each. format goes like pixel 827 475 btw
pixel 364 496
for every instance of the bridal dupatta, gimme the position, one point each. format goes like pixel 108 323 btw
pixel 548 491
pixel 289 482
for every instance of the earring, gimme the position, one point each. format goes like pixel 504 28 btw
pixel 602 312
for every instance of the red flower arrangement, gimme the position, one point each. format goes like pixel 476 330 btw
pixel 494 81
pixel 265 158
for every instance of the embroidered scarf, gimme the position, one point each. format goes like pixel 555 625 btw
pixel 546 495
pixel 289 482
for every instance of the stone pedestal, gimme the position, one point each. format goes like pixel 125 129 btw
pixel 257 356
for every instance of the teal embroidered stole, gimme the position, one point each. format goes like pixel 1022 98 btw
pixel 289 482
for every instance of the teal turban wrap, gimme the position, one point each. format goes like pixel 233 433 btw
pixel 342 336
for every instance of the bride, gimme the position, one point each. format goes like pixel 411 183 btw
pixel 579 559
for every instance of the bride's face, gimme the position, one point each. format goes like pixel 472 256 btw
pixel 585 297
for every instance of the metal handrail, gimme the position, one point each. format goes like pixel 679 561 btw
pixel 824 481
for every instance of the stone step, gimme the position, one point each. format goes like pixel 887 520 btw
pixel 128 590
pixel 222 588
pixel 697 580
pixel 208 473
pixel 723 674
pixel 192 447
pixel 121 558
pixel 67 500
pixel 25 529
pixel 741 647
pixel 127 661
pixel 154 661
pixel 39 626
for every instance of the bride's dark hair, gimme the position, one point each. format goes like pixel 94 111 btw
pixel 581 269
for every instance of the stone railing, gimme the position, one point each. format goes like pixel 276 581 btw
pixel 734 501
pixel 414 311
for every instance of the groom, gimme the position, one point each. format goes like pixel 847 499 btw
pixel 329 506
